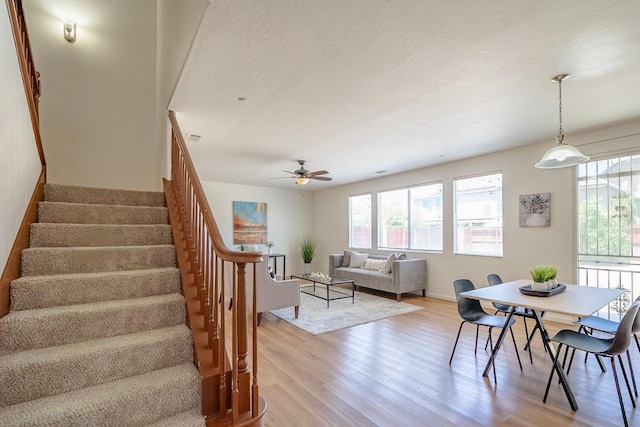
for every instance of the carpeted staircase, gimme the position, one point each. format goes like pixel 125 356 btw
pixel 96 335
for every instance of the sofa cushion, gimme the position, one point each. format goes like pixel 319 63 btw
pixel 346 259
pixel 374 264
pixel 388 263
pixel 358 260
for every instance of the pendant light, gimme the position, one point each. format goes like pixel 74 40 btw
pixel 562 155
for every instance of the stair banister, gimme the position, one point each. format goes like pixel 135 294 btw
pixel 230 392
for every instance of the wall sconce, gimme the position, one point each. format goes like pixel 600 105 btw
pixel 69 28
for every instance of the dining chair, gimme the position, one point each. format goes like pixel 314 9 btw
pixel 525 313
pixel 603 347
pixel 471 312
pixel 594 323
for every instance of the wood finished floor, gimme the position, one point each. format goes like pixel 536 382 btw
pixel 395 372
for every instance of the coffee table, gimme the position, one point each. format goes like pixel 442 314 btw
pixel 332 293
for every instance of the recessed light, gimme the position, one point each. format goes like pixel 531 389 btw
pixel 242 99
pixel 380 171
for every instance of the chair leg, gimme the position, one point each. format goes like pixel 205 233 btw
pixel 637 343
pixel 475 351
pixel 626 380
pixel 259 319
pixel 495 377
pixel 633 377
pixel 615 377
pixel 527 347
pixel 553 369
pixel 456 343
pixel 515 346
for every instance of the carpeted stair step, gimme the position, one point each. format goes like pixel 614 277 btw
pixel 133 401
pixel 33 292
pixel 102 196
pixel 68 235
pixel 191 418
pixel 76 213
pixel 48 261
pixel 49 371
pixel 46 327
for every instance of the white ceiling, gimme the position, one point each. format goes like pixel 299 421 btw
pixel 359 86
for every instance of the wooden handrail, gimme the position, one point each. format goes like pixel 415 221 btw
pixel 208 266
pixel 31 82
pixel 30 77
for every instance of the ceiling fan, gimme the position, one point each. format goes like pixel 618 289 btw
pixel 302 175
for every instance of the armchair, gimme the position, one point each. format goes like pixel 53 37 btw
pixel 274 294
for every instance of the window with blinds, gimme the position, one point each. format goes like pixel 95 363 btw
pixel 478 215
pixel 411 218
pixel 360 221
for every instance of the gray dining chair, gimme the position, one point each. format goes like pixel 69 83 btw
pixel 603 347
pixel 471 312
pixel 524 313
pixel 594 323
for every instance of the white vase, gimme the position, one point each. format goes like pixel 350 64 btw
pixel 536 220
pixel 307 268
pixel 540 286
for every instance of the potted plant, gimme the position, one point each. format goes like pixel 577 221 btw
pixel 269 245
pixel 542 275
pixel 307 250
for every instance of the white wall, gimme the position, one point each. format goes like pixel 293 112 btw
pixel 98 104
pixel 523 247
pixel 177 24
pixel 19 161
pixel 289 217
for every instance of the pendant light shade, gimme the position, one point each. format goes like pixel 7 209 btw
pixel 562 155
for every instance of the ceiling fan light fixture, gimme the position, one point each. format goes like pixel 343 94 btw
pixel 562 155
pixel 302 181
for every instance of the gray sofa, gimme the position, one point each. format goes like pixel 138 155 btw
pixel 407 275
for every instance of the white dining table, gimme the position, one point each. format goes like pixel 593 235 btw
pixel 577 301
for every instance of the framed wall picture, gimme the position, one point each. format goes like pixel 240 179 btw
pixel 535 210
pixel 249 223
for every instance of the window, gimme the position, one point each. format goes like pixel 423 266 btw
pixel 411 218
pixel 478 215
pixel 609 228
pixel 360 221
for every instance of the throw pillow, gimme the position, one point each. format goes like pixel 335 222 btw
pixel 388 263
pixel 374 264
pixel 358 260
pixel 271 273
pixel 346 259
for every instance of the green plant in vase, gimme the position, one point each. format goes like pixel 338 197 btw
pixel 542 275
pixel 307 250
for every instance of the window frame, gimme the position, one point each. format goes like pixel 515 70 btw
pixel 409 217
pixel 350 224
pixel 500 218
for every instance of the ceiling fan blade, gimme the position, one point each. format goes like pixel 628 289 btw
pixel 292 173
pixel 282 177
pixel 320 178
pixel 322 172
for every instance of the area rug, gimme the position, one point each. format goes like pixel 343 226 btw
pixel 316 318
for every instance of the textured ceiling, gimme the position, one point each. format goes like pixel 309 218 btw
pixel 359 86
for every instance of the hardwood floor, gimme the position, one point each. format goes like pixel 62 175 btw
pixel 395 372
